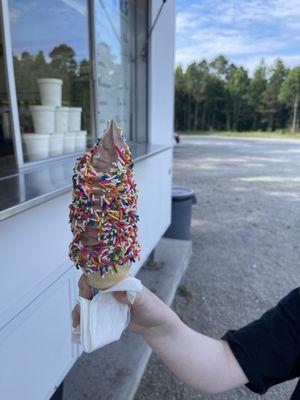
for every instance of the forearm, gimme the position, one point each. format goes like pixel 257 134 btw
pixel 204 363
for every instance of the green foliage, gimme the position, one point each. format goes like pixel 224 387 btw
pixel 278 134
pixel 183 291
pixel 289 96
pixel 275 113
pixel 256 90
pixel 238 88
pixel 219 96
pixel 290 87
pixel 60 64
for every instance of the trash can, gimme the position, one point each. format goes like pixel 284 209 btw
pixel 182 201
pixel 58 395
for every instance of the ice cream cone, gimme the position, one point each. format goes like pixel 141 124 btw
pixel 109 279
pixel 103 211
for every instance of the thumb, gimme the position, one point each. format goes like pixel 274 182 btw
pixel 84 288
pixel 121 297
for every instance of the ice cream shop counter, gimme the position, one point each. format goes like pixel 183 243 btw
pixel 40 287
pixel 30 187
pixel 58 88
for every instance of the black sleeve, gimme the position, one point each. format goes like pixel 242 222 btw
pixel 268 349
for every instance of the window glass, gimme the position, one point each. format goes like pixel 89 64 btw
pixel 50 45
pixel 141 72
pixel 7 158
pixel 118 51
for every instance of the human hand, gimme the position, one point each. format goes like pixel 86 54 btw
pixel 148 312
pixel 84 291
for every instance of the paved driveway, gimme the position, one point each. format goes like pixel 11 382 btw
pixel 246 246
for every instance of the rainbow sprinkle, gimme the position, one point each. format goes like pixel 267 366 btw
pixel 114 216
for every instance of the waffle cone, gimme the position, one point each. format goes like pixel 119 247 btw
pixel 109 279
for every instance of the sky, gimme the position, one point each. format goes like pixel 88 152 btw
pixel 243 31
pixel 42 25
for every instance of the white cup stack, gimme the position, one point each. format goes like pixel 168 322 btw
pixel 57 129
pixel 56 144
pixel 74 119
pixel 50 91
pixel 81 140
pixel 37 145
pixel 43 119
pixel 70 142
pixel 61 119
pixel 74 127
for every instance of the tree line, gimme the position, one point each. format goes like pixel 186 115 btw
pixel 61 64
pixel 218 95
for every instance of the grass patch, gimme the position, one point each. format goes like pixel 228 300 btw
pixel 280 134
pixel 183 291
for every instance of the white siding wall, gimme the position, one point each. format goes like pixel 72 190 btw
pixel 161 71
pixel 153 177
pixel 38 287
pixel 36 350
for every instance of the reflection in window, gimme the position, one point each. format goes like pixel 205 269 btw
pixel 115 61
pixel 50 47
pixel 7 159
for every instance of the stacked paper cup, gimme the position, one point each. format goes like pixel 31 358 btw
pixel 61 127
pixel 74 124
pixel 39 144
pixel 81 140
pixel 76 138
pixel 57 129
pixel 50 91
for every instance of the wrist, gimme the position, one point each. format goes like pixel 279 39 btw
pixel 166 329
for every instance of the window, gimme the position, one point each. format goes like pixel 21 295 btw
pixel 7 157
pixel 120 65
pixel 50 46
pixel 55 102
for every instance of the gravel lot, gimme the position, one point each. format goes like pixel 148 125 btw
pixel 245 232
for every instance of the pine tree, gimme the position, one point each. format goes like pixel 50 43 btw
pixel 289 95
pixel 256 90
pixel 274 112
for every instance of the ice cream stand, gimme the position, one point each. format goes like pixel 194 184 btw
pixel 66 67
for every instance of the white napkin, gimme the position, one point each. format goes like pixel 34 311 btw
pixel 103 319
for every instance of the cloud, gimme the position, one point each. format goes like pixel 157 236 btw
pixel 81 9
pixel 14 14
pixel 215 41
pixel 234 11
pixel 243 31
pixel 185 21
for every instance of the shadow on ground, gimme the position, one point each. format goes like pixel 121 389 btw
pixel 245 232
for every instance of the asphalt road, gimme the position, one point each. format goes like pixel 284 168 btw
pixel 245 231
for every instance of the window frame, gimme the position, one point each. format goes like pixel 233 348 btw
pixel 135 136
pixel 11 86
pixel 140 134
pixel 12 94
